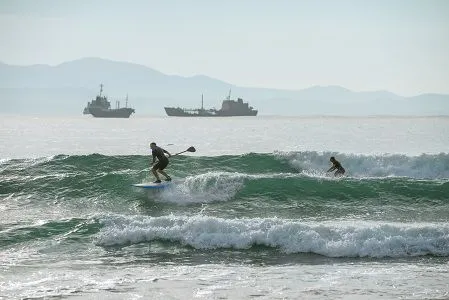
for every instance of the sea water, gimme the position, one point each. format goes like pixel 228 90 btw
pixel 251 214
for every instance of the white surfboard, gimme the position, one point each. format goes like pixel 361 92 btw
pixel 152 185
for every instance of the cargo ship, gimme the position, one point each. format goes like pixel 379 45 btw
pixel 229 108
pixel 100 107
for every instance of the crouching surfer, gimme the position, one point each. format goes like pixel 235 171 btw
pixel 336 165
pixel 162 162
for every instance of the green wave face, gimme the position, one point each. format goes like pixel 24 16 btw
pixel 72 193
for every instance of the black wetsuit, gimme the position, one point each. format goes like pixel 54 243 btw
pixel 340 169
pixel 162 160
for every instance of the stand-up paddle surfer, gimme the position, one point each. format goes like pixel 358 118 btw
pixel 162 162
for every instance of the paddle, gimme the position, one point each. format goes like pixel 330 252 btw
pixel 190 149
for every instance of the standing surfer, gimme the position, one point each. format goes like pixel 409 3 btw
pixel 336 166
pixel 162 162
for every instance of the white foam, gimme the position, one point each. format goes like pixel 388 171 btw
pixel 333 239
pixel 204 188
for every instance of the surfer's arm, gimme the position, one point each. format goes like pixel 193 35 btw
pixel 165 151
pixel 331 169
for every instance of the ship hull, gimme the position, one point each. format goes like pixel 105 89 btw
pixel 252 113
pixel 179 112
pixel 111 113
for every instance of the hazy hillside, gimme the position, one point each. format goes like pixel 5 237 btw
pixel 66 88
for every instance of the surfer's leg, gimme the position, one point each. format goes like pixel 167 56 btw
pixel 154 169
pixel 167 178
pixel 339 173
pixel 162 166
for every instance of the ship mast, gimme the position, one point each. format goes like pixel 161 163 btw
pixel 229 95
pixel 101 89
pixel 126 105
pixel 202 102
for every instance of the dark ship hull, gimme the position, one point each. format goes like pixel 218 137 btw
pixel 251 113
pixel 229 108
pixel 181 112
pixel 111 113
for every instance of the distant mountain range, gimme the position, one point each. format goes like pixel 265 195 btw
pixel 66 88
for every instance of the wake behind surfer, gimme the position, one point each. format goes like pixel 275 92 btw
pixel 336 165
pixel 161 164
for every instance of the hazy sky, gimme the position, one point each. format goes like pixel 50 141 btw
pixel 396 45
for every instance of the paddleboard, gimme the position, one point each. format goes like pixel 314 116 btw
pixel 152 185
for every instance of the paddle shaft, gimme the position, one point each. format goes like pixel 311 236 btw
pixel 179 153
pixel 190 149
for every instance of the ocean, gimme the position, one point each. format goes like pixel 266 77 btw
pixel 251 214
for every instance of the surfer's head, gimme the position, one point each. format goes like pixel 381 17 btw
pixel 152 145
pixel 332 158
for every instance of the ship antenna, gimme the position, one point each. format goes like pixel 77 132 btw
pixel 202 102
pixel 229 96
pixel 101 89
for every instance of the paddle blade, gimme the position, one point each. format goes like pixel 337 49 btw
pixel 191 149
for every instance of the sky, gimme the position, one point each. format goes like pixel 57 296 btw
pixel 397 45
